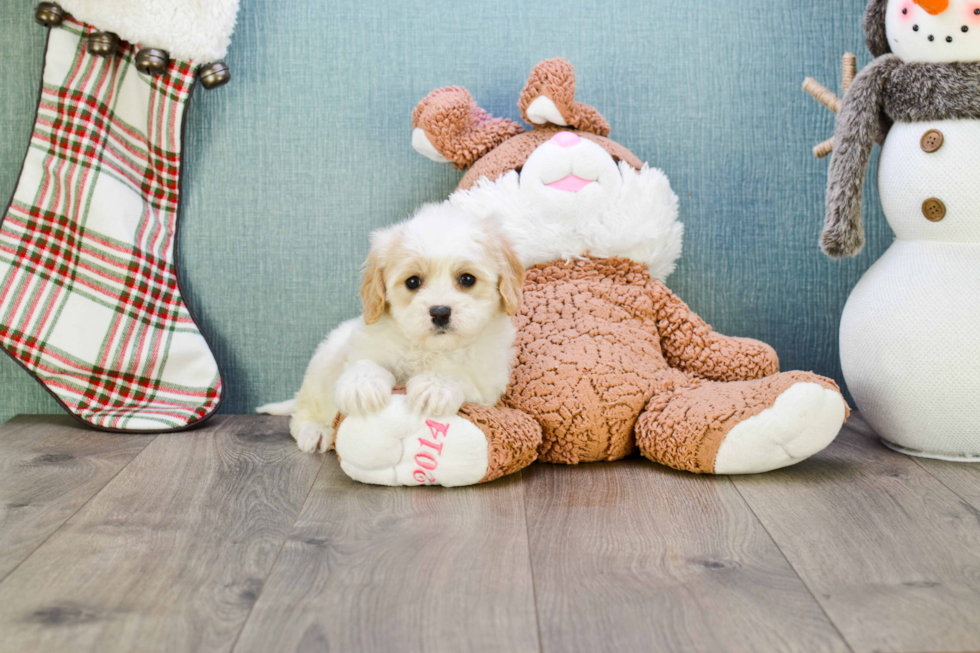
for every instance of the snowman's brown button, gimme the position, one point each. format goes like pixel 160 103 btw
pixel 934 209
pixel 932 140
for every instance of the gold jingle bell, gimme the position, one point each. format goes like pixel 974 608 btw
pixel 102 44
pixel 151 61
pixel 214 74
pixel 49 14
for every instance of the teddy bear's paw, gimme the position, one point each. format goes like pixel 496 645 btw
pixel 803 420
pixel 399 447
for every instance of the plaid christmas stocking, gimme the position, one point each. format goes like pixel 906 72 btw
pixel 90 300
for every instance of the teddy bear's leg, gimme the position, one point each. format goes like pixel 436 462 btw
pixel 742 427
pixel 399 447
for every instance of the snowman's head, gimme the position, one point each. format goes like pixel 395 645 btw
pixel 925 31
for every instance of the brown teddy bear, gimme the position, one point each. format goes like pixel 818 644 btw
pixel 608 358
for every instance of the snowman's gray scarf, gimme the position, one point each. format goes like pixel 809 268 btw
pixel 887 90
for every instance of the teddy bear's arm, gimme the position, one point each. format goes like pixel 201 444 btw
pixel 859 124
pixel 690 345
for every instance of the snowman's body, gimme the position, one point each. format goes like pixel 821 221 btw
pixel 910 333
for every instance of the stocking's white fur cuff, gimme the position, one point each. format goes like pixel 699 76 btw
pixel 198 30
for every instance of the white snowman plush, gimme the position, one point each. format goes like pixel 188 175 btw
pixel 910 333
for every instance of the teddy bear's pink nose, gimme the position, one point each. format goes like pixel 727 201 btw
pixel 566 139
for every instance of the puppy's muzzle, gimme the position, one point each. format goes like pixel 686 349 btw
pixel 440 315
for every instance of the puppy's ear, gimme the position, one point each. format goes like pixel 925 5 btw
pixel 373 295
pixel 511 285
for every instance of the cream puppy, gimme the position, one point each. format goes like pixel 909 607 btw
pixel 438 291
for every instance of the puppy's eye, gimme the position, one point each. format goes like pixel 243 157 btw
pixel 413 283
pixel 467 280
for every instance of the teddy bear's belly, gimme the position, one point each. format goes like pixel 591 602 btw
pixel 586 386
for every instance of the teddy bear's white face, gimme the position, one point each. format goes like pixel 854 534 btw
pixel 572 199
pixel 570 177
pixel 934 31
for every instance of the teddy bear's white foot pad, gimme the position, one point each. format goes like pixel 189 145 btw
pixel 803 420
pixel 399 447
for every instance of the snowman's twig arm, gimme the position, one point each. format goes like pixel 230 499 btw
pixel 858 125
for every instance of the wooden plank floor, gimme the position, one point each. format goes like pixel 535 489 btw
pixel 230 539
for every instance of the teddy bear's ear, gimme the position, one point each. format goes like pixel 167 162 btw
pixel 549 97
pixel 449 127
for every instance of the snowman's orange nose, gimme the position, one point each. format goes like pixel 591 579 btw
pixel 934 7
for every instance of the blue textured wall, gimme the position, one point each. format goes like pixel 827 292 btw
pixel 293 164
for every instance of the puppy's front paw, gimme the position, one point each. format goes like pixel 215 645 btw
pixel 311 436
pixel 366 398
pixel 364 389
pixel 432 395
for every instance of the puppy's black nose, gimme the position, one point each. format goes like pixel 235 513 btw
pixel 440 315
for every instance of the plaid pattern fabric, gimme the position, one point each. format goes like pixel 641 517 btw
pixel 89 297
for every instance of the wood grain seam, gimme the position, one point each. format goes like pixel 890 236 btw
pixel 77 510
pixel 924 468
pixel 275 560
pixel 803 582
pixel 530 564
